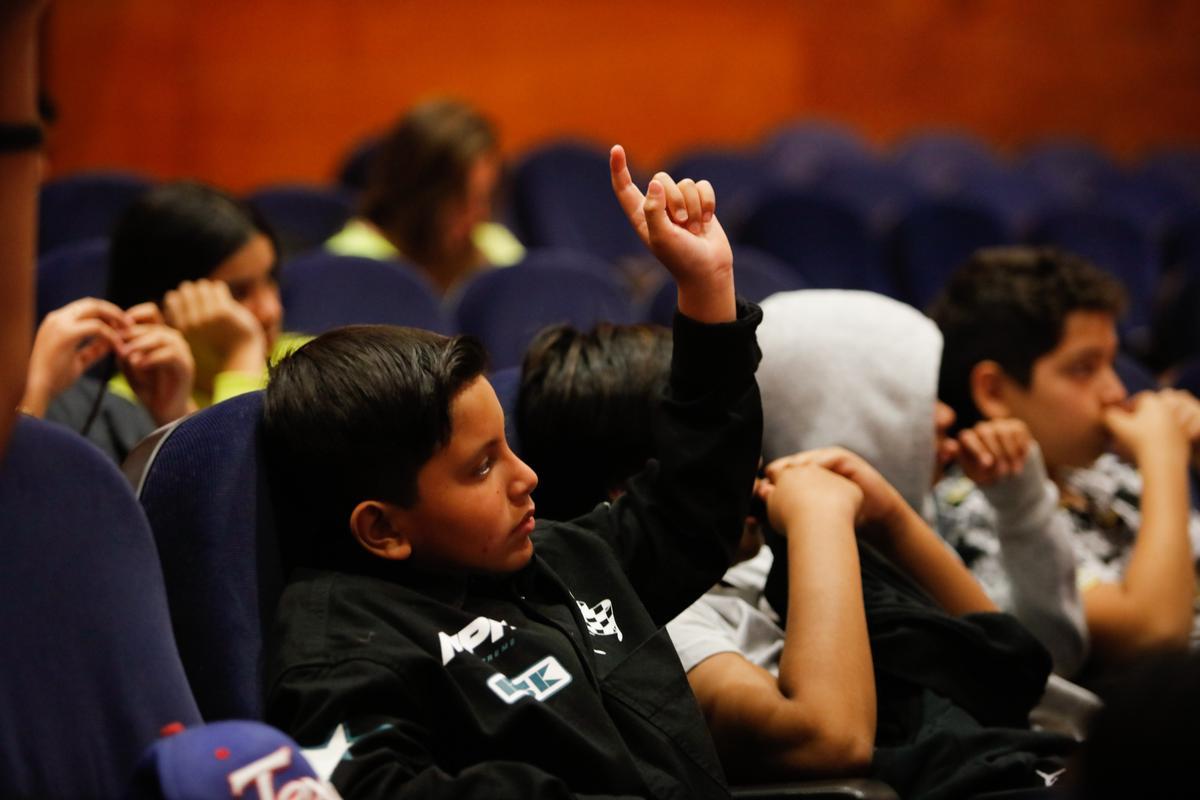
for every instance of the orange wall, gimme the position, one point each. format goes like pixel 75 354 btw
pixel 242 92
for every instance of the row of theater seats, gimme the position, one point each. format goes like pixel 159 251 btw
pixel 815 197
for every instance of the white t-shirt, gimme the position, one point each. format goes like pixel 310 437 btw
pixel 732 617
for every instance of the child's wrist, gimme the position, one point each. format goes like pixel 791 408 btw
pixel 709 300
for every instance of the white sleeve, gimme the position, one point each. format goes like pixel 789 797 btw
pixel 1037 554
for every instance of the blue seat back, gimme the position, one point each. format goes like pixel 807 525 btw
pixel 322 291
pixel 506 307
pixel 205 490
pixel 941 162
pixel 799 153
pixel 562 197
pixel 1070 170
pixel 875 189
pixel 91 673
pixel 1113 244
pixel 84 206
pixel 70 272
pixel 302 216
pixel 934 239
pixel 825 241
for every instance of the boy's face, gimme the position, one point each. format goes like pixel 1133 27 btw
pixel 474 510
pixel 1069 390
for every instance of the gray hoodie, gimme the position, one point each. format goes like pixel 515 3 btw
pixel 860 371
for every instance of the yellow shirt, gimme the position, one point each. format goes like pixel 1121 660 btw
pixel 225 384
pixel 360 238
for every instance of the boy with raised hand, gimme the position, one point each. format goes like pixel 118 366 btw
pixel 1031 336
pixel 434 638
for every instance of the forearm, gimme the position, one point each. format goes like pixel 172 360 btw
pixel 19 175
pixel 825 669
pixel 707 437
pixel 1152 605
pixel 910 544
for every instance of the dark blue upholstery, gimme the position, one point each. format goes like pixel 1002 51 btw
pixel 67 273
pixel 1012 194
pixel 800 153
pixel 934 239
pixel 1179 167
pixel 941 162
pixel 1148 201
pixel 1070 170
pixel 303 217
pixel 90 672
pixel 876 189
pixel 1114 244
pixel 575 259
pixel 206 495
pixel 828 243
pixel 323 291
pixel 506 307
pixel 562 197
pixel 84 206
pixel 757 276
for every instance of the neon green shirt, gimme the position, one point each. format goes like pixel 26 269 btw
pixel 225 384
pixel 361 238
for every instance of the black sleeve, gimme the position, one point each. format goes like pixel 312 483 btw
pixel 676 526
pixel 370 745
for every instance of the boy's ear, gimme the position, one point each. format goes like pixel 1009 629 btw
pixel 990 390
pixel 378 527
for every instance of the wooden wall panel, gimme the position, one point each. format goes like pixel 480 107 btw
pixel 242 93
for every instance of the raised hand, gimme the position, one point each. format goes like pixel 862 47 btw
pixel 994 449
pixel 678 223
pixel 223 334
pixel 69 341
pixel 158 364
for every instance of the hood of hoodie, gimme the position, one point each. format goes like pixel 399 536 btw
pixel 853 369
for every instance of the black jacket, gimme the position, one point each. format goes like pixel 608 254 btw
pixel 558 680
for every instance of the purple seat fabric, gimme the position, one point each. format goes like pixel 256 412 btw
pixel 84 206
pixel 322 291
pixel 302 216
pixel 71 272
pixel 506 307
pixel 92 672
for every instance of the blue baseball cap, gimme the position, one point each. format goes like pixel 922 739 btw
pixel 232 759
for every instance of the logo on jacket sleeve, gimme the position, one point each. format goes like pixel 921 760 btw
pixel 600 619
pixel 476 632
pixel 540 681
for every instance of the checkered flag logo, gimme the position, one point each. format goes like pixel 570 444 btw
pixel 600 619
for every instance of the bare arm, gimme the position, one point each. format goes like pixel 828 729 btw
pixel 1151 607
pixel 818 717
pixel 19 176
pixel 896 530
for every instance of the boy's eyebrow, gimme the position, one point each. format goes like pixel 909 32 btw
pixel 483 449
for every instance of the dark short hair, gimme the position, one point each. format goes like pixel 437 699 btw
pixel 586 410
pixel 174 233
pixel 421 164
pixel 353 415
pixel 1010 305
